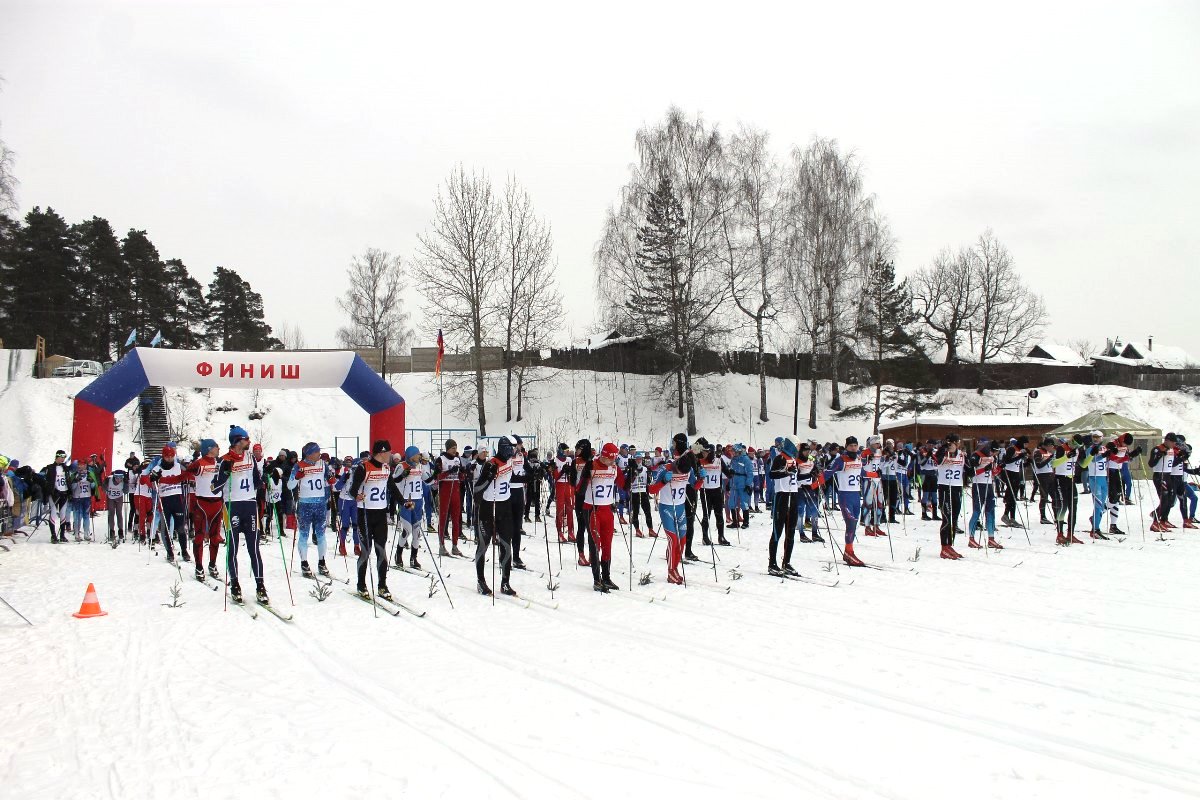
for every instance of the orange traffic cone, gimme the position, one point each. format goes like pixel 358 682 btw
pixel 91 605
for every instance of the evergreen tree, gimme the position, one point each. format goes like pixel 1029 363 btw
pixel 895 367
pixel 185 319
pixel 236 316
pixel 100 277
pixel 149 295
pixel 658 300
pixel 10 231
pixel 39 286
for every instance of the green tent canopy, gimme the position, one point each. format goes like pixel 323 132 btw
pixel 1113 424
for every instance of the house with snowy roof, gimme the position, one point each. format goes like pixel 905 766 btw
pixel 1055 353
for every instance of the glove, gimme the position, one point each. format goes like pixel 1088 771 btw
pixel 155 475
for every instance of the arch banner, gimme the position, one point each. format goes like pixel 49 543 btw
pixel 98 403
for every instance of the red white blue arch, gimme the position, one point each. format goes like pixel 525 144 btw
pixel 96 406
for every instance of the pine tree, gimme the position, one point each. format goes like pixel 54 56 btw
pixel 101 277
pixel 889 351
pixel 40 286
pixel 184 320
pixel 237 315
pixel 149 296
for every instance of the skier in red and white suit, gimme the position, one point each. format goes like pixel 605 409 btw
pixel 599 480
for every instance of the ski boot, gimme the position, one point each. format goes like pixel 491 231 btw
pixel 674 577
pixel 706 541
pixel 723 542
pixel 483 589
pixel 804 537
pixel 1190 523
pixel 235 592
pixel 322 569
pixel 774 570
pixel 974 545
pixel 924 515
pixel 651 533
pixel 1096 535
pixel 398 560
pixel 850 558
pixel 357 550
pixel 605 576
pixel 212 571
pixel 412 559
pixel 184 554
pixel 454 551
pixel 363 593
pixel 789 569
pixel 384 593
pixel 637 532
pixel 690 556
pixel 200 573
pixel 442 551
pixel 260 594
pixel 583 560
pixel 519 564
pixel 992 543
pixel 1113 530
pixel 948 553
pixel 816 537
pixel 508 590
pixel 305 570
pixel 1075 540
pixel 341 550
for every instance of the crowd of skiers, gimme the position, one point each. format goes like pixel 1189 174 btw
pixel 487 497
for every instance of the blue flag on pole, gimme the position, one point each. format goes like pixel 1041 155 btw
pixel 132 338
pixel 157 340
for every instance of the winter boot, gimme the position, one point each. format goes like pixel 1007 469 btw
pixel 606 577
pixel 322 569
pixel 992 543
pixel 305 570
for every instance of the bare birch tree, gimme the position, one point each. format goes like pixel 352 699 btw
pixel 753 235
pixel 527 250
pixel 374 301
pixel 8 181
pixel 462 270
pixel 1009 315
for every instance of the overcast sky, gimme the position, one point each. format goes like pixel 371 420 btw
pixel 280 139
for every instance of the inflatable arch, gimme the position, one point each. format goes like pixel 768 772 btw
pixel 97 404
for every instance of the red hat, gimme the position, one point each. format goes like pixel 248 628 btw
pixel 168 452
pixel 257 448
pixel 750 450
pixel 610 450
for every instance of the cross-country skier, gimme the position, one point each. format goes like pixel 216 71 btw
pixel 583 457
pixel 58 496
pixel 80 481
pixel 115 489
pixel 372 485
pixel 711 496
pixel 1066 456
pixel 670 483
pixel 492 497
pixel 983 466
pixel 310 478
pixel 951 467
pixel 637 477
pixel 239 479
pixel 1013 463
pixel 410 487
pixel 447 471
pixel 1118 456
pixel 207 508
pixel 847 471
pixel 165 477
pixel 517 498
pixel 563 471
pixel 741 484
pixel 784 511
pixel 347 507
pixel 600 481
pixel 809 480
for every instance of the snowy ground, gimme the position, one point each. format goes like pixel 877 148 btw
pixel 1033 673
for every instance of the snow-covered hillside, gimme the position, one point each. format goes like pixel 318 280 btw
pixel 571 404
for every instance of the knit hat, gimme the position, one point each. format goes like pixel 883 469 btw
pixel 168 451
pixel 610 450
pixel 381 446
pixel 311 448
pixel 206 445
pixel 236 434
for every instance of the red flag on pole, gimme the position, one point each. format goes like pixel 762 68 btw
pixel 437 369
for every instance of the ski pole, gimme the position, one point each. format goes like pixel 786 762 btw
pixel 436 568
pixel 286 571
pixel 18 613
pixel 1137 486
pixel 549 569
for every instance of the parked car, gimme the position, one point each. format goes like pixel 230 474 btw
pixel 79 369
